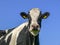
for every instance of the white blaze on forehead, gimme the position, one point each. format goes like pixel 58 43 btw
pixel 34 13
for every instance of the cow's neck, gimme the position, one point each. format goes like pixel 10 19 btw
pixel 34 40
pixel 31 40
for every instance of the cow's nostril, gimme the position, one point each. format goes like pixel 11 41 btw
pixel 35 26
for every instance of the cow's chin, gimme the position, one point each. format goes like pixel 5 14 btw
pixel 34 32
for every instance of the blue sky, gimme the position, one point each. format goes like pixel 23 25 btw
pixel 50 31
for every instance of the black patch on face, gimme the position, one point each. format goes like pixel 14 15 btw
pixel 39 20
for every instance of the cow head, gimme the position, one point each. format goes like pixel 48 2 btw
pixel 34 17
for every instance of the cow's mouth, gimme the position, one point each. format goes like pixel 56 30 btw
pixel 34 32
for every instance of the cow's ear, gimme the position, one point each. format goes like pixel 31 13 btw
pixel 45 15
pixel 24 15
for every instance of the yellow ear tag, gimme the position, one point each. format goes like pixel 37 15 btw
pixel 24 16
pixel 45 16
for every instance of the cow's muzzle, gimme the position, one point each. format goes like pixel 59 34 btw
pixel 34 32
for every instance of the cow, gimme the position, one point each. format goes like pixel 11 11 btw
pixel 26 33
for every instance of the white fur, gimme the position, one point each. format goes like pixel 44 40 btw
pixel 15 34
pixel 1 37
pixel 34 13
pixel 6 31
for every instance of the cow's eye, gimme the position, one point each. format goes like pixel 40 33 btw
pixel 39 20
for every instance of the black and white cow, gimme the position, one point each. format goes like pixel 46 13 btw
pixel 26 33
